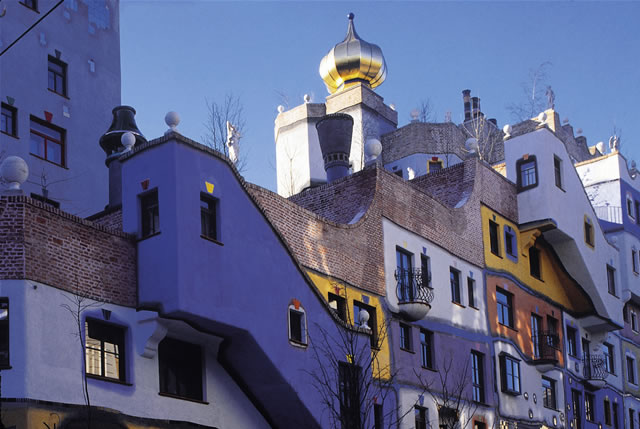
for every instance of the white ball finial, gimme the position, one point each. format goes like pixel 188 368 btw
pixel 15 171
pixel 280 108
pixel 542 117
pixel 128 140
pixel 471 144
pixel 415 115
pixel 363 317
pixel 507 130
pixel 372 148
pixel 392 106
pixel 307 98
pixel 172 119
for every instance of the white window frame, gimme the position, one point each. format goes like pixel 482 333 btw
pixel 305 337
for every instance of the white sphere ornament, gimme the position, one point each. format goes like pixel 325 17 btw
pixel 15 171
pixel 307 98
pixel 372 148
pixel 128 140
pixel 280 108
pixel 507 130
pixel 172 119
pixel 600 147
pixel 392 106
pixel 363 318
pixel 542 117
pixel 471 144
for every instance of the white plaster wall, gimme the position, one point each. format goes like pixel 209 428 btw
pixel 442 309
pixel 292 157
pixel 46 360
pixel 627 242
pixel 567 207
pixel 603 169
pixel 518 406
pixel 418 163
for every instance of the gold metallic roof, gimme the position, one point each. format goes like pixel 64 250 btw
pixel 353 60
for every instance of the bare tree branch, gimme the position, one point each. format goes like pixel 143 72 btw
pixel 229 110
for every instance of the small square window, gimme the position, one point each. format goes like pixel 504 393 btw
pixel 150 213
pixel 180 366
pixel 609 361
pixel 434 166
pixel 549 393
pixel 505 307
pixel 611 279
pixel 47 141
pixel 9 120
pixel 630 207
pixel 510 242
pixel 631 370
pixel 607 412
pixel 208 216
pixel 297 325
pixel 510 374
pixel 339 305
pixel 588 232
pixel 57 76
pixel 405 337
pixel 372 323
pixel 104 350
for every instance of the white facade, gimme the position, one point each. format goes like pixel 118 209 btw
pixel 44 346
pixel 85 37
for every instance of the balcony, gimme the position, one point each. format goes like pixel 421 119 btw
pixel 594 371
pixel 546 348
pixel 609 213
pixel 413 293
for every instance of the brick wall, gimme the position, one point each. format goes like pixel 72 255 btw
pixel 110 219
pixel 316 223
pixel 41 243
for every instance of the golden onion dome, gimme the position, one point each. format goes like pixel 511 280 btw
pixel 353 60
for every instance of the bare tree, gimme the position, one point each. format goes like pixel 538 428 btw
pixel 76 306
pixel 425 111
pixel 229 110
pixel 533 101
pixel 349 375
pixel 486 135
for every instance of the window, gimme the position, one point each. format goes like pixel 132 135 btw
pixel 632 414
pixel 607 352
pixel 421 417
pixel 180 369
pixel 4 333
pixel 634 320
pixel 572 345
pixel 31 4
pixel 405 337
pixel 47 141
pixel 549 393
pixel 607 412
pixel 630 207
pixel 150 211
pixel 471 291
pixel 434 166
pixel 527 173
pixel 588 232
pixel 577 418
pixel 404 273
pixel 426 348
pixel 510 370
pixel 378 418
pixel 477 375
pixel 589 410
pixel 494 238
pixel 8 118
pixel 479 425
pixel 625 313
pixel 104 350
pixel 371 323
pixel 349 391
pixel 398 173
pixel 534 262
pixel 536 330
pixel 634 261
pixel 615 416
pixel 557 169
pixel 454 276
pixel 505 310
pixel 637 207
pixel 425 270
pixel 611 279
pixel 57 76
pixel 339 305
pixel 208 217
pixel 510 241
pixel 631 370
pixel 297 325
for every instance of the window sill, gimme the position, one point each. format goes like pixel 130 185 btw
pixel 30 8
pixel 507 326
pixel 184 398
pixel 107 379
pixel 474 307
pixel 57 93
pixel 296 343
pixel 497 255
pixel 213 240
pixel 407 350
pixel 511 392
pixel 550 408
pixel 429 368
pixel 5 367
pixel 148 236
pixel 10 135
pixel 46 160
pixel 561 188
pixel 458 304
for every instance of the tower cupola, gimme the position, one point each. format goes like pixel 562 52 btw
pixel 351 61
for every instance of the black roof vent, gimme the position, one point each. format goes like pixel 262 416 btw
pixel 124 120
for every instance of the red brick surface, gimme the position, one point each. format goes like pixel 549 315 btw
pixel 41 243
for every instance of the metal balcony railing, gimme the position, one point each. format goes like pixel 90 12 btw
pixel 609 213
pixel 413 286
pixel 546 345
pixel 594 368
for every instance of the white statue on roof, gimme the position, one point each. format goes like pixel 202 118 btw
pixel 551 98
pixel 614 143
pixel 233 138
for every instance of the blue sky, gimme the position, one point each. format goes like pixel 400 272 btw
pixel 177 54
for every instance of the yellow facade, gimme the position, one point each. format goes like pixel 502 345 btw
pixel 326 285
pixel 554 282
